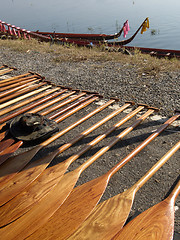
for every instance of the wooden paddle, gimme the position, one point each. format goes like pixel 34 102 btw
pixel 9 151
pixel 84 198
pixel 44 209
pixel 8 154
pixel 61 118
pixel 109 217
pixel 6 104
pixel 21 180
pixel 10 84
pixel 16 89
pixel 3 135
pixel 6 144
pixel 50 177
pixel 156 223
pixel 20 92
pixel 14 164
pixel 16 77
pixel 45 105
pixel 45 97
pixel 8 70
pixel 17 84
pixel 20 104
pixel 39 108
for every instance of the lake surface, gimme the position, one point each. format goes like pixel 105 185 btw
pixel 99 16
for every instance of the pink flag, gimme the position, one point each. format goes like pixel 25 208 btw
pixel 126 28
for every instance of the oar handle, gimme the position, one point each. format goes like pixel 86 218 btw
pixel 50 103
pixel 92 128
pixel 156 167
pixel 142 145
pixel 174 194
pixel 116 139
pixel 81 120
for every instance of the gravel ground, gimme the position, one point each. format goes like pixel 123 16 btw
pixel 115 80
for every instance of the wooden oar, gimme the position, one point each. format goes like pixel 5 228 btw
pixel 16 89
pixel 43 106
pixel 15 77
pixel 52 92
pixel 66 102
pixel 58 120
pixel 3 135
pixel 4 71
pixel 26 90
pixel 44 90
pixel 6 144
pixel 9 90
pixel 109 217
pixel 4 155
pixel 44 98
pixel 156 223
pixel 10 81
pixel 54 115
pixel 32 172
pixel 44 209
pixel 6 104
pixel 14 164
pixel 49 178
pixel 83 199
pixel 18 82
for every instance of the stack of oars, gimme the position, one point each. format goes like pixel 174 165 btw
pixel 40 202
pixel 5 69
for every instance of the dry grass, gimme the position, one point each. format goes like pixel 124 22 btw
pixel 144 63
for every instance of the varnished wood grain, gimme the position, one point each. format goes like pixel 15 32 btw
pixel 24 201
pixel 106 219
pixel 32 194
pixel 54 199
pixel 6 153
pixel 42 211
pixel 156 223
pixel 24 178
pixel 83 199
pixel 6 143
pixel 15 100
pixel 14 164
pixel 67 218
pixel 110 216
pixel 14 78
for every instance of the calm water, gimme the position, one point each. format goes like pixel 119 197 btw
pixel 99 16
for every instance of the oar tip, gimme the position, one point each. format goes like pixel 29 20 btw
pixel 115 98
pixel 142 104
pixel 154 108
pixel 131 102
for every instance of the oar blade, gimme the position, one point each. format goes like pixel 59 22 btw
pixel 71 214
pixel 24 178
pixel 156 223
pixel 107 218
pixel 4 155
pixel 5 144
pixel 42 211
pixel 35 192
pixel 14 164
pixel 3 134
